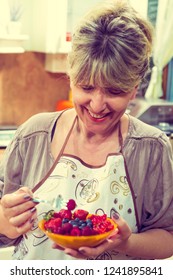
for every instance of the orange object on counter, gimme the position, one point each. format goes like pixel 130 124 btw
pixel 64 104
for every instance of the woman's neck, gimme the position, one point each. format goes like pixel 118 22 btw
pixel 91 137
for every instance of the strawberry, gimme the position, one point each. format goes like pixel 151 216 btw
pixel 78 223
pixel 81 214
pixel 48 215
pixel 56 215
pixel 46 225
pixel 53 223
pixel 65 214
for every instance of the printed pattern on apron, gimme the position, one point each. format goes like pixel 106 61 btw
pixel 99 190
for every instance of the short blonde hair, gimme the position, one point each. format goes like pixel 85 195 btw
pixel 111 47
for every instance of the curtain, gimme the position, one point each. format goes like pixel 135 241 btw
pixel 152 11
pixel 163 48
pixel 169 89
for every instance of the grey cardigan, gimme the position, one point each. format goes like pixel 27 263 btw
pixel 148 160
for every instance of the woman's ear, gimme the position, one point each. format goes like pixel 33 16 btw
pixel 134 92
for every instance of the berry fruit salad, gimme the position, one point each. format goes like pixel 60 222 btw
pixel 74 228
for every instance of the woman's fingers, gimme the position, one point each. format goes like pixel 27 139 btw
pixel 16 198
pixel 18 220
pixel 124 230
pixel 120 236
pixel 18 202
pixel 19 209
pixel 75 253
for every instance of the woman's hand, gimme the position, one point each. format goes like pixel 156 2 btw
pixel 116 242
pixel 17 213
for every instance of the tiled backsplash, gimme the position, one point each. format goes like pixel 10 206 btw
pixel 26 88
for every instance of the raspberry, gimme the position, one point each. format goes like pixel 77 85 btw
pixel 67 227
pixel 87 231
pixel 75 232
pixel 71 204
pixel 59 230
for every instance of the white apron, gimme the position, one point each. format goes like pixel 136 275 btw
pixel 102 189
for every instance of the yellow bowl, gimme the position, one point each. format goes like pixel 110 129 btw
pixel 75 242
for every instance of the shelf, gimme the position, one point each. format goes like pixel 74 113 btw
pixel 12 43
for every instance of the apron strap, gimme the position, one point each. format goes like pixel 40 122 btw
pixel 120 138
pixel 56 160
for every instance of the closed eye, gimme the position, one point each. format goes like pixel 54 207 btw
pixel 114 92
pixel 87 88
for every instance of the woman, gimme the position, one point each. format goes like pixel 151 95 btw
pixel 106 160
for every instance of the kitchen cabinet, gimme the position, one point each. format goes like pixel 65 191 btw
pixel 12 43
pixel 10 27
pixel 45 22
pixel 44 28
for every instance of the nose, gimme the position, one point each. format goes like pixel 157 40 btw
pixel 98 102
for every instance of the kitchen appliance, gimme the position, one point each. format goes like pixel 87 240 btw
pixel 158 113
pixel 6 135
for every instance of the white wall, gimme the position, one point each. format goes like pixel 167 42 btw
pixel 140 6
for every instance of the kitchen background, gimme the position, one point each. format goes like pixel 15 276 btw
pixel 33 57
pixel 35 38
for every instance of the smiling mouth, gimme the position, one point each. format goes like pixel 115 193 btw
pixel 97 116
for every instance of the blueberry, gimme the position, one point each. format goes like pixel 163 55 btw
pixel 75 225
pixel 83 224
pixel 73 222
pixel 89 223
pixel 65 220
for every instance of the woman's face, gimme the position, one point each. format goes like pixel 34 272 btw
pixel 98 109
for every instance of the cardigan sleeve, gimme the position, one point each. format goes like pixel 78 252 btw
pixel 11 159
pixel 158 195
pixel 149 163
pixel 27 158
pixel 11 166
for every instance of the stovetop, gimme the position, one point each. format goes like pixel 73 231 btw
pixel 158 113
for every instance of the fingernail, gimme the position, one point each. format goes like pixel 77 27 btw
pixel 66 251
pixel 31 220
pixel 27 196
pixel 109 240
pixel 71 255
pixel 33 210
pixel 115 215
pixel 82 251
pixel 54 246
